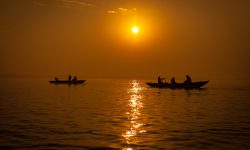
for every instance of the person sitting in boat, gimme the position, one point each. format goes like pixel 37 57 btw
pixel 188 80
pixel 75 78
pixel 173 80
pixel 70 77
pixel 160 80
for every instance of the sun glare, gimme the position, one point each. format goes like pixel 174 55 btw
pixel 135 30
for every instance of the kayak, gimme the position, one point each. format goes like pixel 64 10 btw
pixel 193 85
pixel 67 81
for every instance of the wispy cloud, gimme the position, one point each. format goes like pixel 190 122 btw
pixel 78 2
pixel 63 3
pixel 123 11
pixel 39 3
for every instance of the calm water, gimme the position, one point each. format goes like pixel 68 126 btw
pixel 123 114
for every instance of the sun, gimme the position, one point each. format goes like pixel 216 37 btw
pixel 135 30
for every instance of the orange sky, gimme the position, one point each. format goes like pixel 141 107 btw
pixel 208 40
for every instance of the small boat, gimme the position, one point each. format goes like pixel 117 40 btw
pixel 190 86
pixel 67 81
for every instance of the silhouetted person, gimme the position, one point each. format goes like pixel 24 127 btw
pixel 75 78
pixel 188 79
pixel 173 80
pixel 69 77
pixel 160 80
pixel 56 79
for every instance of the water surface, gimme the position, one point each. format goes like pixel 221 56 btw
pixel 123 114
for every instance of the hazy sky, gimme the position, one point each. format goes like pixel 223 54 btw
pixel 92 38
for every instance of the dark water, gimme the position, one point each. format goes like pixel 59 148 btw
pixel 123 114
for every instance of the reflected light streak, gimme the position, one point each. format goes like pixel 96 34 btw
pixel 134 115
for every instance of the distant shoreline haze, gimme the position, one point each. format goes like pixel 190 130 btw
pixel 153 77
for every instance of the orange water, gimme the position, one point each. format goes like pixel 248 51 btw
pixel 123 114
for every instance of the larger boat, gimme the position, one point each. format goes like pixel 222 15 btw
pixel 67 81
pixel 193 85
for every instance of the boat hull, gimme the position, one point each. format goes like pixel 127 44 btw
pixel 67 82
pixel 193 85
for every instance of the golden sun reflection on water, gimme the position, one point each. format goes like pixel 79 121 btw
pixel 134 114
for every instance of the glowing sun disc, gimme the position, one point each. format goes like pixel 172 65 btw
pixel 135 30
